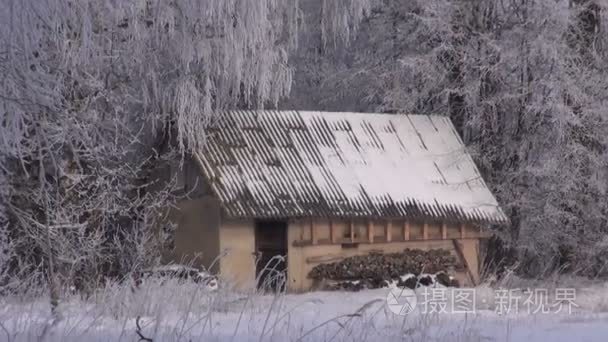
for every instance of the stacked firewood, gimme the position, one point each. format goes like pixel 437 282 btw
pixel 376 270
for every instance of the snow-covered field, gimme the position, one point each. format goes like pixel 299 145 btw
pixel 171 312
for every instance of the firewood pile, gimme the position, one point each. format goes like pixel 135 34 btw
pixel 377 270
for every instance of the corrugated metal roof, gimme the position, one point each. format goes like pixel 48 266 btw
pixel 296 164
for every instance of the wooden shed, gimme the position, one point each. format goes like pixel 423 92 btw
pixel 320 186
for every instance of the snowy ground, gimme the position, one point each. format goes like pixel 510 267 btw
pixel 184 313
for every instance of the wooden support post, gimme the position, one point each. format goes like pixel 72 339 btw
pixel 388 230
pixel 370 231
pixel 462 231
pixel 425 231
pixel 352 231
pixel 304 228
pixel 406 231
pixel 444 231
pixel 464 261
pixel 313 232
pixel 333 235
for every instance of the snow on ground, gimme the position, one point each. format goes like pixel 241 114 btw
pixel 184 313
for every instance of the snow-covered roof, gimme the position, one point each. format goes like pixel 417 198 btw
pixel 267 164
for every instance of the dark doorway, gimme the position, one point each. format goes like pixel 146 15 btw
pixel 271 249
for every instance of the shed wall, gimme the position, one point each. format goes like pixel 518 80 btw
pixel 197 235
pixel 202 232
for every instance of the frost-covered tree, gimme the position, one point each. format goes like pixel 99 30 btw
pixel 524 81
pixel 95 93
